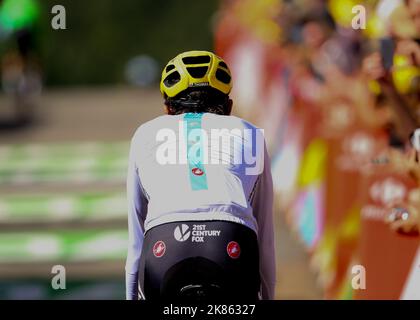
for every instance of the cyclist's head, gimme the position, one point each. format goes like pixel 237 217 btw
pixel 197 81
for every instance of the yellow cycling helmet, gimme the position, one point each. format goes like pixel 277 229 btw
pixel 195 69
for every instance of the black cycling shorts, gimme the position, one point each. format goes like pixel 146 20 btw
pixel 221 256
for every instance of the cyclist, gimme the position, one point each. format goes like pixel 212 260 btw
pixel 20 71
pixel 19 18
pixel 200 221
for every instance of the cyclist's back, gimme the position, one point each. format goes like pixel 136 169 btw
pixel 216 187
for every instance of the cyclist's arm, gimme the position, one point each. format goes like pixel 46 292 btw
pixel 263 210
pixel 137 210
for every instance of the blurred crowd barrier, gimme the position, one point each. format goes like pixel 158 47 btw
pixel 338 141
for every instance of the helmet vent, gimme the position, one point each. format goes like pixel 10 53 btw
pixel 197 72
pixel 223 65
pixel 169 67
pixel 223 76
pixel 172 79
pixel 196 60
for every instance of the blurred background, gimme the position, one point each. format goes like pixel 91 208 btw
pixel 337 104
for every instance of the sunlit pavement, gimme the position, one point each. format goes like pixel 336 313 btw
pixel 62 200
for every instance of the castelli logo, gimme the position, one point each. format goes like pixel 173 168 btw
pixel 197 171
pixel 159 249
pixel 387 191
pixel 233 250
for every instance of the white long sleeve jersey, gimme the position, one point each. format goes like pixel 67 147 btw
pixel 193 167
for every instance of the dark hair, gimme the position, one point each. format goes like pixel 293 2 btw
pixel 199 100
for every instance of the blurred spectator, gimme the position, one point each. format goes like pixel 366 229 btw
pixel 20 71
pixel 414 11
pixel 405 217
pixel 404 100
pixel 396 70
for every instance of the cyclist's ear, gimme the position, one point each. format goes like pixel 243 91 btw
pixel 229 107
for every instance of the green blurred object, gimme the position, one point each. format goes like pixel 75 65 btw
pixel 63 246
pixel 18 14
pixel 69 162
pixel 62 208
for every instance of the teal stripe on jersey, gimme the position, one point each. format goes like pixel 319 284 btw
pixel 194 141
